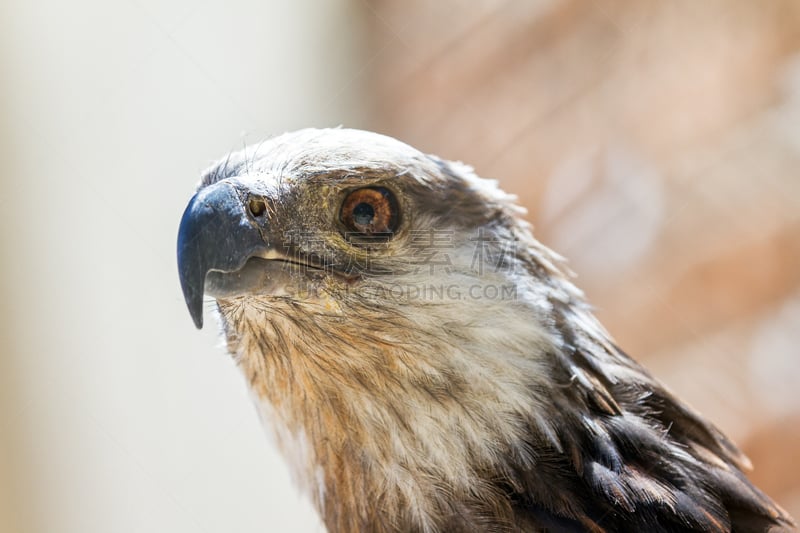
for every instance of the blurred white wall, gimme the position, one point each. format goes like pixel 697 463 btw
pixel 115 413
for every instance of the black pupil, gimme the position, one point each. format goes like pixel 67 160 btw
pixel 363 214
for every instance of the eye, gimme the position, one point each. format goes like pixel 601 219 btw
pixel 370 212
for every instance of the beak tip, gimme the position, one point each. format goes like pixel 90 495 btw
pixel 194 302
pixel 191 269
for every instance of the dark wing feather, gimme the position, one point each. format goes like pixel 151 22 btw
pixel 630 456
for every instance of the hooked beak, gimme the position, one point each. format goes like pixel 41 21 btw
pixel 216 234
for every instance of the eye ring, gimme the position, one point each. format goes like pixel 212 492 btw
pixel 370 212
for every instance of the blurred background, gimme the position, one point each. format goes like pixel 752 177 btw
pixel 655 144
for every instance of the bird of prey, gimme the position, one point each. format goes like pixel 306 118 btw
pixel 426 365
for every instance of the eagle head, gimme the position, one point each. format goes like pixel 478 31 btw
pixel 426 365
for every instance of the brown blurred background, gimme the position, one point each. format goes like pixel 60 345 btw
pixel 656 144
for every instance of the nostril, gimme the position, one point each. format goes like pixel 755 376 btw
pixel 256 206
